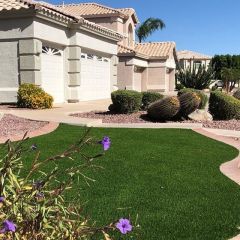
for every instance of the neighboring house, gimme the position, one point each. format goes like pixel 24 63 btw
pixel 69 57
pixel 142 67
pixel 192 59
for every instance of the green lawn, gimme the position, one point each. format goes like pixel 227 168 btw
pixel 169 177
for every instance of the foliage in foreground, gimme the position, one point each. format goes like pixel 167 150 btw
pixel 197 78
pixel 32 205
pixel 34 97
pixel 223 106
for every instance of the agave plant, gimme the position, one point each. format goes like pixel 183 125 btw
pixel 197 78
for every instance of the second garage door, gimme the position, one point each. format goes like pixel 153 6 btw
pixel 95 77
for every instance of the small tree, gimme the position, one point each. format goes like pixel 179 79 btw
pixel 197 78
pixel 230 77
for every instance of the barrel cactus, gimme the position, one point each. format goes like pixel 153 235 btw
pixel 164 109
pixel 189 102
pixel 237 94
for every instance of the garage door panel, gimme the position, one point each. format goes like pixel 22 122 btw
pixel 52 73
pixel 95 79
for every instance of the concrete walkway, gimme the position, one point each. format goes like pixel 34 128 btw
pixel 60 112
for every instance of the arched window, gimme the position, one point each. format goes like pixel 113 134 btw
pixel 130 35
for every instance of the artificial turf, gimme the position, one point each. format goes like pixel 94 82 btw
pixel 170 178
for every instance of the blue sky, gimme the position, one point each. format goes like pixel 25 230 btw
pixel 208 26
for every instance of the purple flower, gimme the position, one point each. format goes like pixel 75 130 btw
pixel 106 143
pixel 34 147
pixel 124 226
pixel 2 199
pixel 8 226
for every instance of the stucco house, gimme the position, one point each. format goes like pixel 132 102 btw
pixel 78 52
pixel 142 67
pixel 192 59
pixel 69 57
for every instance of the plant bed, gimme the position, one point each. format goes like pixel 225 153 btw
pixel 11 125
pixel 141 117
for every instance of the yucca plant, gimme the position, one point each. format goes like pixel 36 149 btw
pixel 197 78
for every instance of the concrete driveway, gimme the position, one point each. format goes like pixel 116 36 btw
pixel 60 112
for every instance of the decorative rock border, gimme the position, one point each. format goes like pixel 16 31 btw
pixel 48 128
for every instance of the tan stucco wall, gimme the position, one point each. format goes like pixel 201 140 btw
pixel 11 30
pixel 156 78
pixel 125 75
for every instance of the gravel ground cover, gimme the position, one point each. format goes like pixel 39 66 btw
pixel 11 125
pixel 141 117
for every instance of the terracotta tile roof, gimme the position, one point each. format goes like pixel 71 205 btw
pixel 149 50
pixel 130 12
pixel 11 4
pixel 186 54
pixel 89 10
pixel 54 11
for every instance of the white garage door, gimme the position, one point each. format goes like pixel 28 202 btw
pixel 52 73
pixel 95 77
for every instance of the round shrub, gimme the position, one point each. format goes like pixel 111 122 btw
pixel 126 101
pixel 189 102
pixel 223 106
pixel 164 109
pixel 149 98
pixel 34 97
pixel 237 94
pixel 201 94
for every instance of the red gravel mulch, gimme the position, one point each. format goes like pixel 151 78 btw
pixel 11 125
pixel 141 117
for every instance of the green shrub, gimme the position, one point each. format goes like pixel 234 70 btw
pixel 32 96
pixel 189 102
pixel 164 109
pixel 201 94
pixel 223 106
pixel 179 86
pixel 237 94
pixel 149 98
pixel 126 101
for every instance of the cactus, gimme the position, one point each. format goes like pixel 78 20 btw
pixel 189 102
pixel 164 109
pixel 237 94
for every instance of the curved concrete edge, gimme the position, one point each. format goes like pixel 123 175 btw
pixel 48 128
pixel 147 125
pixel 229 169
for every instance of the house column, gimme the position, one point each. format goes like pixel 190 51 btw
pixel 30 61
pixel 113 72
pixel 73 54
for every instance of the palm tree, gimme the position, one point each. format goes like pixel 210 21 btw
pixel 148 27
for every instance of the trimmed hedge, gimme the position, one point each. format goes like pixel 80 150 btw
pixel 201 94
pixel 126 101
pixel 149 98
pixel 223 106
pixel 237 94
pixel 34 97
